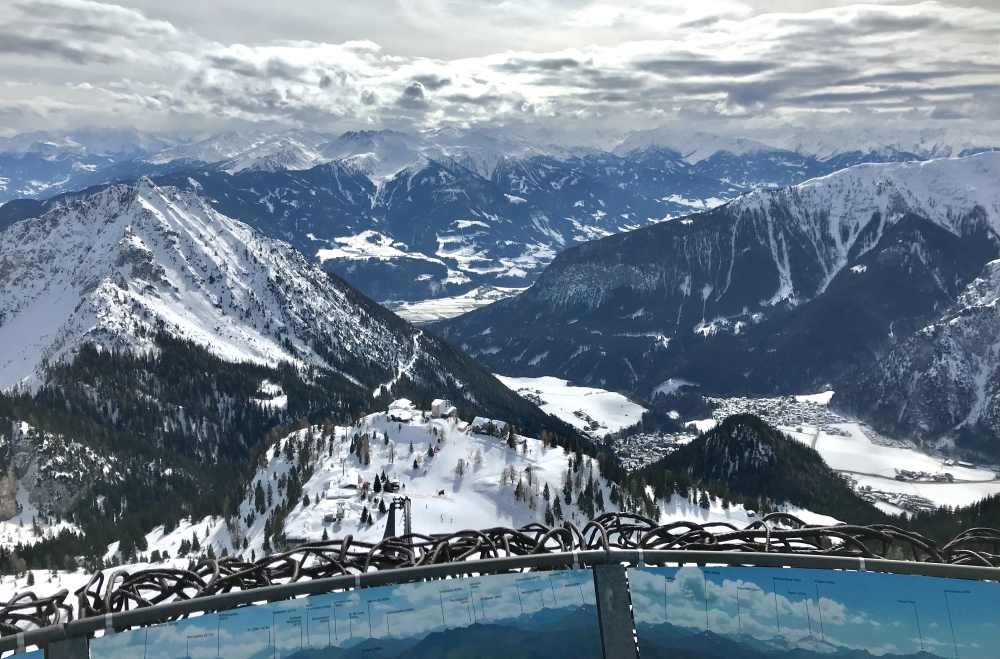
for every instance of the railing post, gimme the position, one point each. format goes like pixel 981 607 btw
pixel 70 648
pixel 614 612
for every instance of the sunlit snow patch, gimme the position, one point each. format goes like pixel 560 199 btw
pixel 595 411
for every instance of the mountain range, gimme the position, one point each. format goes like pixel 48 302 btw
pixel 409 217
pixel 793 289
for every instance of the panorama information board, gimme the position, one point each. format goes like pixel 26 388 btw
pixel 756 613
pixel 542 614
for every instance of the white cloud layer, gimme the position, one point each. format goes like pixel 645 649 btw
pixel 572 70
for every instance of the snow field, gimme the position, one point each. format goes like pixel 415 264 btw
pixel 428 311
pixel 876 464
pixel 612 411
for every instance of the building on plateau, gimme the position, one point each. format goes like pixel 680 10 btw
pixel 443 409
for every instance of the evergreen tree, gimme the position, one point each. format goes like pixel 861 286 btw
pixel 557 509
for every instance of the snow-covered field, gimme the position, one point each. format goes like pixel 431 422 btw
pixel 369 245
pixel 941 494
pixel 854 451
pixel 442 308
pixel 595 411
pixel 875 465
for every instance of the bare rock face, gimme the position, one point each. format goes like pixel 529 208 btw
pixel 8 493
pixel 8 479
pixel 944 380
pixel 54 470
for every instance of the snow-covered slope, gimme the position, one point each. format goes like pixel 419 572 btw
pixel 313 485
pixel 120 266
pixel 114 267
pixel 241 149
pixel 428 311
pixel 808 232
pixel 830 144
pixel 496 485
pixel 835 210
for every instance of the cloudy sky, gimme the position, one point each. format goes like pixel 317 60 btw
pixel 578 70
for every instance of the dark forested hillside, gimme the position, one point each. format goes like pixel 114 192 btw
pixel 748 459
pixel 181 428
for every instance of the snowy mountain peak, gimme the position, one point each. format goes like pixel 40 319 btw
pixel 943 190
pixel 116 266
pixel 836 211
pixel 693 146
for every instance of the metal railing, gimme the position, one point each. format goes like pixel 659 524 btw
pixel 123 600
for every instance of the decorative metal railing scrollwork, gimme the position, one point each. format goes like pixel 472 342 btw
pixel 114 591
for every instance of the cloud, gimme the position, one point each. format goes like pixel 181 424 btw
pixel 693 66
pixel 523 65
pixel 432 81
pixel 483 100
pixel 19 44
pixel 621 66
pixel 947 113
pixel 82 32
pixel 413 97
